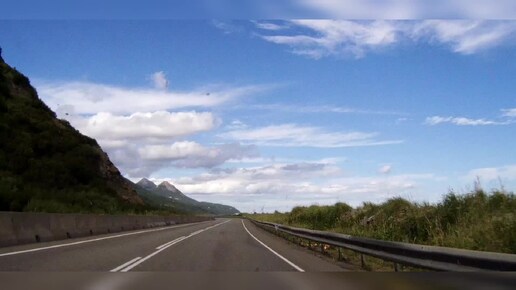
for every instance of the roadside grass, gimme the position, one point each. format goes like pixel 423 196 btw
pixel 476 221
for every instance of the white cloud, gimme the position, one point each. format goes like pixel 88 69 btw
pixel 159 80
pixel 317 109
pixel 270 179
pixel 92 98
pixel 461 121
pixel 511 113
pixel 465 36
pixel 236 124
pixel 227 27
pixel 144 159
pixel 338 37
pixel 128 121
pixel 269 25
pixel 385 169
pixel 412 9
pixel 161 124
pixel 284 185
pixel 295 135
pixel 189 154
pixel 321 37
pixel 489 174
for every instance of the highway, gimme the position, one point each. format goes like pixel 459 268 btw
pixel 219 245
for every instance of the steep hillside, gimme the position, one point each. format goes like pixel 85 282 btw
pixel 47 165
pixel 167 195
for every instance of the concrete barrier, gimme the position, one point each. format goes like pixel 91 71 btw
pixel 18 228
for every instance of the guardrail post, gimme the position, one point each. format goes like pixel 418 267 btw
pixel 340 254
pixel 362 260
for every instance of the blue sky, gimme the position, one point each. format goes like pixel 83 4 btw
pixel 274 114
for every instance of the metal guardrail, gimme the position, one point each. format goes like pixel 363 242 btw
pixel 419 256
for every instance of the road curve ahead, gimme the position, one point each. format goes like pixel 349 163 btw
pixel 219 245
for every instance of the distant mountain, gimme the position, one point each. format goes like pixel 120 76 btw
pixel 46 164
pixel 166 195
pixel 167 190
pixel 147 184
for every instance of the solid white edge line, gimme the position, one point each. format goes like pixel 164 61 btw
pixel 96 240
pixel 125 264
pixel 274 252
pixel 131 266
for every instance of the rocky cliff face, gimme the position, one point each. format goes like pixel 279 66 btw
pixel 46 164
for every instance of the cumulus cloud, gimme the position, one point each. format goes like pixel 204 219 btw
pixel 159 80
pixel 266 179
pixel 92 98
pixel 139 143
pixel 161 125
pixel 284 185
pixel 461 121
pixel 306 136
pixel 139 159
pixel 318 38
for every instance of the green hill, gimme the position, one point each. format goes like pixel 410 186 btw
pixel 47 165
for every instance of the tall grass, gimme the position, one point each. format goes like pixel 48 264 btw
pixel 476 220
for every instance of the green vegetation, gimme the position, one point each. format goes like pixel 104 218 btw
pixel 477 220
pixel 48 166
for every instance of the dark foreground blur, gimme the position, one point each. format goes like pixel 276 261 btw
pixel 251 281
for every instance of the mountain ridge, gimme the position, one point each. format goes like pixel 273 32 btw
pixel 166 194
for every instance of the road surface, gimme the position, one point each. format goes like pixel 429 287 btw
pixel 219 245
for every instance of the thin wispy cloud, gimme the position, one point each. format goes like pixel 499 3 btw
pixel 416 9
pixel 269 25
pixel 91 98
pixel 317 38
pixel 317 109
pixel 462 121
pixel 385 169
pixel 293 135
pixel 490 174
pixel 465 36
pixel 227 27
pixel 511 113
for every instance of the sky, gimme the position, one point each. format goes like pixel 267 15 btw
pixel 266 115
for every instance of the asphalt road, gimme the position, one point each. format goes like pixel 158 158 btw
pixel 220 245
